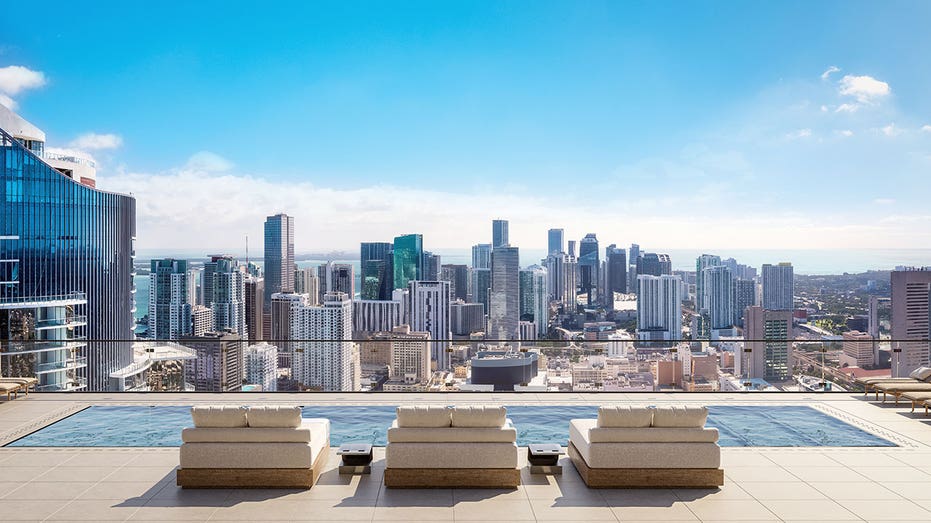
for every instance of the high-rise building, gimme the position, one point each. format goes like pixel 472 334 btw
pixel 219 363
pixel 589 265
pixel 410 355
pixel 255 307
pixel 701 263
pixel 653 264
pixel 571 250
pixel 371 316
pixel 911 319
pixel 201 320
pixel 718 289
pixel 307 282
pixel 431 266
pixel 326 363
pixel 261 366
pixel 504 296
pixel 561 279
pixel 407 259
pixel 458 278
pixel 616 273
pixel 279 255
pixel 282 306
pixel 770 334
pixel 481 256
pixel 555 241
pixel 659 308
pixel 466 318
pixel 778 287
pixel 66 253
pixel 340 277
pixel 169 305
pixel 525 297
pixel 534 303
pixel 744 296
pixel 229 297
pixel 428 311
pixel 377 274
pixel 499 234
pixel 859 348
pixel 481 287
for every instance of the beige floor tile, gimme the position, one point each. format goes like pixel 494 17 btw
pixel 731 510
pixel 856 491
pixel 893 474
pixel 151 474
pixel 158 513
pixel 515 510
pixel 768 474
pixel 835 474
pixel 917 490
pixel 887 510
pixel 126 490
pixel 29 509
pixel 9 486
pixel 95 510
pixel 571 510
pixel 796 458
pixel 172 496
pixel 481 494
pixel 634 497
pixel 872 459
pixel 86 474
pixel 413 513
pixel 554 489
pixel 821 509
pixel 23 474
pixel 38 459
pixel 55 490
pixel 743 459
pixel 796 490
pixel 415 498
pixel 100 459
pixel 156 459
pixel 653 511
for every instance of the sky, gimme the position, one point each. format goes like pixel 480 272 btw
pixel 781 125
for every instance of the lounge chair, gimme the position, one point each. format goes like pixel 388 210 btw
pixel 440 447
pixel 258 447
pixel 897 389
pixel 918 399
pixel 646 447
pixel 24 383
pixel 10 389
pixel 916 380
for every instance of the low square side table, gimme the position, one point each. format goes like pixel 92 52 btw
pixel 356 458
pixel 544 458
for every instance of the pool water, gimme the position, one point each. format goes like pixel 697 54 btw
pixel 738 426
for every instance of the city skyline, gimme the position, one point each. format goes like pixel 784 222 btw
pixel 681 142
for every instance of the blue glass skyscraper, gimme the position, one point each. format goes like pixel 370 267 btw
pixel 279 256
pixel 408 259
pixel 58 239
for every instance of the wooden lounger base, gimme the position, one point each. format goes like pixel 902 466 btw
pixel 253 478
pixel 452 478
pixel 645 478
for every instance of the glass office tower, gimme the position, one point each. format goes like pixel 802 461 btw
pixel 60 240
pixel 408 259
pixel 279 256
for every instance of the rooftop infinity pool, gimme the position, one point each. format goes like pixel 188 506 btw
pixel 739 426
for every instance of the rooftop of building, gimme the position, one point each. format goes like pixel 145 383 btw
pixel 761 484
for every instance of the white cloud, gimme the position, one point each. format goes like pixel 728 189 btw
pixel 7 101
pixel 94 141
pixel 884 201
pixel 16 78
pixel 828 71
pixel 801 133
pixel 208 162
pixel 891 130
pixel 845 133
pixel 926 128
pixel 847 108
pixel 865 89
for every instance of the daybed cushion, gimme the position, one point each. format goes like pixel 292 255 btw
pixel 278 416
pixel 451 455
pixel 625 416
pixel 921 373
pixel 249 455
pixel 225 416
pixel 642 435
pixel 680 416
pixel 311 429
pixel 424 416
pixel 505 434
pixel 479 416
pixel 645 455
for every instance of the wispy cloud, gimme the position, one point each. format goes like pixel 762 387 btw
pixel 865 89
pixel 891 130
pixel 830 70
pixel 208 162
pixel 800 133
pixel 926 128
pixel 96 142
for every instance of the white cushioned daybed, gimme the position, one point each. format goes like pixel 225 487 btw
pixel 255 447
pixel 436 446
pixel 636 447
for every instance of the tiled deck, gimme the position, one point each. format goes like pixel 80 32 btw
pixel 762 484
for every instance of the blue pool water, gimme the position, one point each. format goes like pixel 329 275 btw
pixel 739 426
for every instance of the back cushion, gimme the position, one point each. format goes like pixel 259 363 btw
pixel 479 416
pixel 219 416
pixel 423 416
pixel 680 416
pixel 921 373
pixel 279 416
pixel 625 417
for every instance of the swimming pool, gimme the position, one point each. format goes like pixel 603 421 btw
pixel 739 426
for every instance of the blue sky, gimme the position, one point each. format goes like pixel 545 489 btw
pixel 677 124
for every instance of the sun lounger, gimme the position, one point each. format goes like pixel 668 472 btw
pixel 919 375
pixel 918 399
pixel 10 389
pixel 459 447
pixel 24 383
pixel 646 447
pixel 897 389
pixel 259 447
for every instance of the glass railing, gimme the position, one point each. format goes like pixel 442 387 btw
pixel 411 363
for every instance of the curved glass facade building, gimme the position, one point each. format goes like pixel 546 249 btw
pixel 59 239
